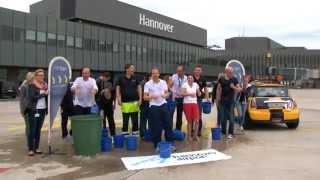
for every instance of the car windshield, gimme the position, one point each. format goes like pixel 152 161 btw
pixel 272 92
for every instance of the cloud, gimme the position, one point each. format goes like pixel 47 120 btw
pixel 290 22
pixel 283 20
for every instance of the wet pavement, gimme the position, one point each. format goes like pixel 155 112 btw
pixel 266 152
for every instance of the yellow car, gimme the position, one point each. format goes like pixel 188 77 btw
pixel 271 103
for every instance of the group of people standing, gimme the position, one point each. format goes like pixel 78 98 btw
pixel 147 99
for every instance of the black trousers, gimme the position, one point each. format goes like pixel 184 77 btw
pixel 160 119
pixel 79 110
pixel 144 119
pixel 108 113
pixel 66 113
pixel 179 104
pixel 35 119
pixel 134 121
pixel 200 117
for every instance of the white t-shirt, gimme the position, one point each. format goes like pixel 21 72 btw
pixel 157 89
pixel 84 96
pixel 41 104
pixel 193 90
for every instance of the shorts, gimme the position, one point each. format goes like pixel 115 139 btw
pixel 191 111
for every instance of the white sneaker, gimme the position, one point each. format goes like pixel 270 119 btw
pixel 135 133
pixel 230 136
pixel 241 128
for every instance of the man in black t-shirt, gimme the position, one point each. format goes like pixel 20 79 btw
pixel 129 96
pixel 197 72
pixel 228 85
pixel 106 100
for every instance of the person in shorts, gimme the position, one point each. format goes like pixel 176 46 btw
pixel 190 91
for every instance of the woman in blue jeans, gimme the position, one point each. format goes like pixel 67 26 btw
pixel 36 111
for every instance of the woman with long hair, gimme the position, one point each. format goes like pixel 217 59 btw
pixel 23 95
pixel 36 110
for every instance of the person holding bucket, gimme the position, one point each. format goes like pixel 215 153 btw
pixel 197 76
pixel 129 97
pixel 156 92
pixel 84 89
pixel 178 80
pixel 190 91
pixel 106 101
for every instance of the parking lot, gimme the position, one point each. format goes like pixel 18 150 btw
pixel 265 152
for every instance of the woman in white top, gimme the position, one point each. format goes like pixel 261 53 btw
pixel 190 90
pixel 36 110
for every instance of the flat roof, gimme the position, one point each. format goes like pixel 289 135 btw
pixel 118 14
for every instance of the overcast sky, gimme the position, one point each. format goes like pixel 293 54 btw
pixel 290 22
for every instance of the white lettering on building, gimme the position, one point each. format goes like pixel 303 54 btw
pixel 144 21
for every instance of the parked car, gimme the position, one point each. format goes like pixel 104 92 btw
pixel 7 90
pixel 271 103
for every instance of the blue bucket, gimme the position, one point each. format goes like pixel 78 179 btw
pixel 94 109
pixel 164 149
pixel 178 135
pixel 106 144
pixel 104 133
pixel 131 143
pixel 206 107
pixel 171 105
pixel 216 133
pixel 147 135
pixel 118 141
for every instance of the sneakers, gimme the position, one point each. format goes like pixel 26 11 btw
pixel 241 128
pixel 30 153
pixel 135 133
pixel 230 136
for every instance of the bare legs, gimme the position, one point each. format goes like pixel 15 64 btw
pixel 193 128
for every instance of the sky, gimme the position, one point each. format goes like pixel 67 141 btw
pixel 289 22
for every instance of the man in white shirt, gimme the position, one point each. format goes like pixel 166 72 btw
pixel 178 80
pixel 156 92
pixel 84 89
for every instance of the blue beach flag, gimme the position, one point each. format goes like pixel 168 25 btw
pixel 59 75
pixel 238 70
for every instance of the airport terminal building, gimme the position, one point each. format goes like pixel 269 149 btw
pixel 264 57
pixel 104 35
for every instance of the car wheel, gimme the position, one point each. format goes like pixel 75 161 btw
pixel 293 125
pixel 247 123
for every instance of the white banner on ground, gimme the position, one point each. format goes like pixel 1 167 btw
pixel 146 162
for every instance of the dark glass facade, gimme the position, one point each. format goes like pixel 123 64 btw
pixel 29 41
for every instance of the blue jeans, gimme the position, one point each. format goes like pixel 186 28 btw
pixel 226 110
pixel 160 119
pixel 242 114
pixel 35 119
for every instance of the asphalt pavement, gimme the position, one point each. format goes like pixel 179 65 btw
pixel 265 152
